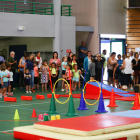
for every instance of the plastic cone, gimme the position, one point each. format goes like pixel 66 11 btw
pixel 112 100
pixel 82 105
pixel 71 111
pixel 34 114
pixel 136 102
pixel 101 107
pixel 139 100
pixel 16 117
pixel 52 106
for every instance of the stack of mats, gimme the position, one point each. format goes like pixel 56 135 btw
pixel 94 127
pixel 92 92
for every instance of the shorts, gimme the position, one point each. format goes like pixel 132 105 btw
pixel 5 85
pixel 116 76
pixel 63 72
pixel 27 82
pixel 0 86
pixel 110 72
pixel 8 83
pixel 136 73
pixel 75 79
pixel 35 80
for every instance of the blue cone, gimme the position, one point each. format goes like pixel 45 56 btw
pixel 82 105
pixel 101 107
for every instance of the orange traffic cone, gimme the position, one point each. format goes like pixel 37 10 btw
pixel 112 100
pixel 136 102
pixel 34 114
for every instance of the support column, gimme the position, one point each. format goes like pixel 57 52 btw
pixel 57 15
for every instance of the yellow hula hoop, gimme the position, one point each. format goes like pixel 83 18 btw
pixel 99 91
pixel 54 91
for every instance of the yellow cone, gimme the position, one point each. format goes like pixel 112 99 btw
pixel 139 100
pixel 16 117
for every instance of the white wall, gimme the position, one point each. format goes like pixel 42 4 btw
pixel 112 16
pixel 68 39
pixel 35 25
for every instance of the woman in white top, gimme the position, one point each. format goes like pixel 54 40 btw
pixel 127 70
pixel 39 60
pixel 112 60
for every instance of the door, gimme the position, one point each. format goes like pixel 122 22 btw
pixel 19 52
pixel 117 46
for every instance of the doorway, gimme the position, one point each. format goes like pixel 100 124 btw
pixel 115 45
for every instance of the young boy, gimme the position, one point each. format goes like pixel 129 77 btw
pixel 4 80
pixel 27 77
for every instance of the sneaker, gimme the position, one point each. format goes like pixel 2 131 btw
pixel 0 95
pixel 30 91
pixel 131 88
pixel 62 90
pixel 5 96
pixel 27 92
pixel 11 93
pixel 33 90
pixel 7 93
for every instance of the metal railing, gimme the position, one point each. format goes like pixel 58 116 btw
pixel 12 6
pixel 66 10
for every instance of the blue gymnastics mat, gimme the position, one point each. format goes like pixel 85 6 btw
pixel 129 113
pixel 109 88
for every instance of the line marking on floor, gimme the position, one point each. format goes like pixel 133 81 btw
pixel 7 131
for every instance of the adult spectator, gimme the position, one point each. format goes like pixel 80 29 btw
pixel 82 52
pixel 86 64
pixel 29 64
pixel 2 61
pixel 105 62
pixel 56 60
pixel 39 60
pixel 112 60
pixel 70 57
pixel 127 70
pixel 12 62
pixel 21 67
pixel 118 68
pixel 131 55
pixel 135 66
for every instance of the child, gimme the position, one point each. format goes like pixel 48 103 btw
pixel 92 69
pixel 4 80
pixel 98 66
pixel 76 75
pixel 54 73
pixel 27 77
pixel 0 84
pixel 64 64
pixel 44 76
pixel 115 75
pixel 10 79
pixel 36 76
pixel 68 77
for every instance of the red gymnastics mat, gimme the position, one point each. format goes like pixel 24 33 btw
pixel 80 128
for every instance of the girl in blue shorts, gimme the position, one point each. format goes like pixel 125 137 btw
pixel 76 75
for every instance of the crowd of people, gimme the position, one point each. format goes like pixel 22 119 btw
pixel 33 70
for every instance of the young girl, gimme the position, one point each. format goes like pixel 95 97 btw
pixel 44 75
pixel 64 64
pixel 76 75
pixel 27 77
pixel 92 69
pixel 10 79
pixel 36 76
pixel 4 80
pixel 54 73
pixel 68 77
pixel 115 75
